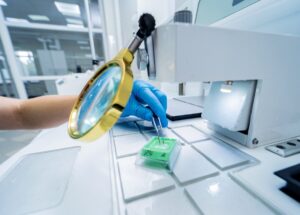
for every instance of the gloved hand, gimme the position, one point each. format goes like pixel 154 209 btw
pixel 143 94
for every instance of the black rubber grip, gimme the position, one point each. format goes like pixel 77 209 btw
pixel 146 24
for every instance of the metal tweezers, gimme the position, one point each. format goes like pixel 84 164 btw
pixel 158 127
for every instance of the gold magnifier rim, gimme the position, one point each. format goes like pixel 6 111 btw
pixel 113 112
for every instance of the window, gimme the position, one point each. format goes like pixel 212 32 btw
pixel 51 38
pixel 98 41
pixel 7 86
pixel 210 11
pixel 61 12
pixel 95 14
pixel 42 52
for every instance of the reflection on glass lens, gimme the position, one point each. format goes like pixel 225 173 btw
pixel 98 99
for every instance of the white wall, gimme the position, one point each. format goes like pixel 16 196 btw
pixel 162 10
pixel 130 11
pixel 128 14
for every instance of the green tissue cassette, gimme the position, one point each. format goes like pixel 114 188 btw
pixel 161 150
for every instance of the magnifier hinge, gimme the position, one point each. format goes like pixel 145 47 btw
pixel 126 55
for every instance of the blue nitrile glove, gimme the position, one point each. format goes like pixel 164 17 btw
pixel 143 94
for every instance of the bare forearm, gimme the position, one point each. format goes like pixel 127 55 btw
pixel 37 113
pixel 46 111
pixel 9 118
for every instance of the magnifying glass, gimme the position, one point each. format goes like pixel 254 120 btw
pixel 103 98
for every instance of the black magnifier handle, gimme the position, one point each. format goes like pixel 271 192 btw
pixel 146 26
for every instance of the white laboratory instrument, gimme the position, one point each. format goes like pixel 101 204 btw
pixel 227 161
pixel 72 84
pixel 232 55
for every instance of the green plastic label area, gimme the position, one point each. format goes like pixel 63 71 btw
pixel 159 149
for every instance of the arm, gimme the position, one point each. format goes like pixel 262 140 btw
pixel 37 113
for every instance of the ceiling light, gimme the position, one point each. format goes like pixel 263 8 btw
pixel 83 42
pixel 74 21
pixel 226 87
pixel 75 26
pixel 38 17
pixel 11 19
pixel 84 47
pixel 2 3
pixel 68 9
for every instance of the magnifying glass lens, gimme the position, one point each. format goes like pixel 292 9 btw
pixel 98 98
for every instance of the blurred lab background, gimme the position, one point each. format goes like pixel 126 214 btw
pixel 50 47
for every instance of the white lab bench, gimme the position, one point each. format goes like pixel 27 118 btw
pixel 57 175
